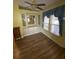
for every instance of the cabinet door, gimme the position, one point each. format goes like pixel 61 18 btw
pixel 16 32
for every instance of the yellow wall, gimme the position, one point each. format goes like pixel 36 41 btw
pixel 16 16
pixel 17 20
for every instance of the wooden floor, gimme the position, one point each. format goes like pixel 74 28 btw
pixel 37 46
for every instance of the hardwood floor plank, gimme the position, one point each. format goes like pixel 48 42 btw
pixel 38 46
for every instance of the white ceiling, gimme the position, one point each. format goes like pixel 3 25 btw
pixel 47 2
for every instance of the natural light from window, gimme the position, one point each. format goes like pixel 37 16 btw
pixel 54 25
pixel 46 23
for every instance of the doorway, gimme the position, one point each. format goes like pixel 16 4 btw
pixel 30 24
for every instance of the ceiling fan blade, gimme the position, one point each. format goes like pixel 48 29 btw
pixel 20 7
pixel 40 4
pixel 25 8
pixel 39 8
pixel 28 2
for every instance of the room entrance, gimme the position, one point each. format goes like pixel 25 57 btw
pixel 30 24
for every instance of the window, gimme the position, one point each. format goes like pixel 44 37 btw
pixel 23 19
pixel 54 25
pixel 46 23
pixel 31 19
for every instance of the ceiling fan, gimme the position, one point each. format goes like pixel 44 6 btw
pixel 33 6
